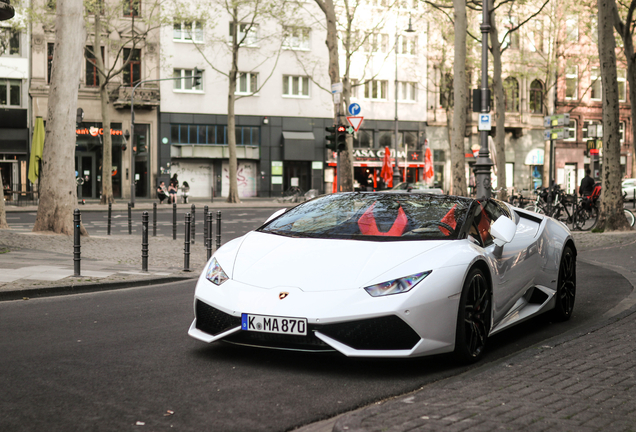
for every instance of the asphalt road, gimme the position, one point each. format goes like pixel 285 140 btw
pixel 106 361
pixel 234 222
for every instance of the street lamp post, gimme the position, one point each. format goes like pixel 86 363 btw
pixel 396 171
pixel 6 10
pixel 483 163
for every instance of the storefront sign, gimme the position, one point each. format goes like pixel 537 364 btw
pixel 535 157
pixel 277 169
pixel 368 154
pixel 94 131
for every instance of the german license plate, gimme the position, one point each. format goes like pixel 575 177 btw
pixel 274 324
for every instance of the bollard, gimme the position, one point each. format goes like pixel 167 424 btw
pixel 208 236
pixel 77 221
pixel 174 221
pixel 110 212
pixel 129 218
pixel 186 244
pixel 205 226
pixel 218 230
pixel 154 219
pixel 144 240
pixel 212 195
pixel 193 224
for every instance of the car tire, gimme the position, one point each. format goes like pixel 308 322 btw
pixel 566 286
pixel 473 318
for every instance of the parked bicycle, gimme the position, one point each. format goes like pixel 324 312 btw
pixel 587 216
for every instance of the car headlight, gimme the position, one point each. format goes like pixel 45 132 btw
pixel 215 273
pixel 396 286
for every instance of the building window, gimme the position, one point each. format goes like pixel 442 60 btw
pixel 572 130
pixel 212 134
pixel 363 139
pixel 295 86
pixel 49 61
pixel 132 71
pixel 511 89
pixel 92 74
pixel 11 42
pixel 296 38
pixel 536 37
pixel 247 34
pixel 188 31
pixel 247 83
pixel 596 85
pixel 571 82
pixel 10 92
pixel 185 84
pixel 376 89
pixel 622 88
pixel 132 8
pixel 510 40
pixel 407 45
pixel 592 129
pixel 376 42
pixel 621 131
pixel 572 29
pixel 407 91
pixel 536 97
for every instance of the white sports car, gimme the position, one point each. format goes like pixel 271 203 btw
pixel 381 274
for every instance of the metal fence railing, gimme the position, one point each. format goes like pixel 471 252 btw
pixel 20 194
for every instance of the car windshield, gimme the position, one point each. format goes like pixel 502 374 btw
pixel 374 216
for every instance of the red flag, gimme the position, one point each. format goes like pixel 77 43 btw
pixel 428 165
pixel 387 168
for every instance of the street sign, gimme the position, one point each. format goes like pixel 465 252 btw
pixel 354 109
pixel 556 134
pixel 355 122
pixel 336 98
pixel 556 120
pixel 484 122
pixel 336 88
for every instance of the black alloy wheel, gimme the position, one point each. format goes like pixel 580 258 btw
pixel 473 318
pixel 566 286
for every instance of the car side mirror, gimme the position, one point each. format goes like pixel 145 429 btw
pixel 276 214
pixel 503 230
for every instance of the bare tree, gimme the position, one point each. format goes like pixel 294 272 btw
pixel 58 191
pixel 458 162
pixel 611 216
pixel 106 25
pixel 625 29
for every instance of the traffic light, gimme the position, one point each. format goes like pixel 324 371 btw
pixel 331 138
pixel 196 78
pixel 341 138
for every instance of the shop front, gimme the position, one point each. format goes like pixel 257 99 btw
pixel 88 159
pixel 14 138
pixel 367 166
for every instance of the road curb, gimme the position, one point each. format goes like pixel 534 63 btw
pixel 80 288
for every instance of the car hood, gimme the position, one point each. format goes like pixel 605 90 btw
pixel 273 261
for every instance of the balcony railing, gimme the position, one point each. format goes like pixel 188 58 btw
pixel 146 96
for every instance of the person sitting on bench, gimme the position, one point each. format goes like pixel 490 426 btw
pixel 162 193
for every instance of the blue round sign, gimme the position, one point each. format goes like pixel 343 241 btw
pixel 354 109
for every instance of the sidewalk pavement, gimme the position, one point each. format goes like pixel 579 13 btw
pixel 584 380
pixel 39 264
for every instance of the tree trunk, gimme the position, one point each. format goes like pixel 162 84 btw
pixel 3 215
pixel 107 148
pixel 460 104
pixel 58 190
pixel 611 216
pixel 345 165
pixel 233 195
pixel 500 108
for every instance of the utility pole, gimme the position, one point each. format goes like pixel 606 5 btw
pixel 484 163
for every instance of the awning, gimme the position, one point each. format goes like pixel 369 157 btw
pixel 298 146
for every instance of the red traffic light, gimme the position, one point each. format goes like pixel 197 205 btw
pixel 342 129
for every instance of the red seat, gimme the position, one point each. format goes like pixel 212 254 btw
pixel 449 219
pixel 368 225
